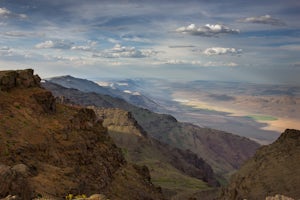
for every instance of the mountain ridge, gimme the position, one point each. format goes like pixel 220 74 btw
pixel 176 171
pixel 165 128
pixel 50 149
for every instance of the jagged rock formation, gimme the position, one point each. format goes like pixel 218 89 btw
pixel 20 78
pixel 274 169
pixel 223 151
pixel 51 150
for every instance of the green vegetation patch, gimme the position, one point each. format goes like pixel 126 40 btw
pixel 167 177
pixel 262 117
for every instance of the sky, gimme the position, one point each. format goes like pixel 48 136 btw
pixel 231 40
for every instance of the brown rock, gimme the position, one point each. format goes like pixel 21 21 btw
pixel 46 100
pixel 20 78
pixel 273 169
pixel 13 181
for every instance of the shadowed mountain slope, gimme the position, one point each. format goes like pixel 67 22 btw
pixel 177 172
pixel 274 169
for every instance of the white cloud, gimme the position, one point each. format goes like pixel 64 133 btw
pixel 119 51
pixel 63 44
pixel 208 30
pixel 5 13
pixel 82 48
pixel 222 51
pixel 131 38
pixel 58 44
pixel 265 19
pixel 201 64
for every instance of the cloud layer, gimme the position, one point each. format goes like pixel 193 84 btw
pixel 265 19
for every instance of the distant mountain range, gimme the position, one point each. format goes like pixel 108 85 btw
pixel 84 85
pixel 223 151
pixel 257 111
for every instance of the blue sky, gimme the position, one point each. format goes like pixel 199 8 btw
pixel 233 40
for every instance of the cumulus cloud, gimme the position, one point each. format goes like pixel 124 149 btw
pixel 209 30
pixel 119 51
pixel 222 51
pixel 265 19
pixel 5 13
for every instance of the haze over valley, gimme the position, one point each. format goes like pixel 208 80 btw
pixel 257 111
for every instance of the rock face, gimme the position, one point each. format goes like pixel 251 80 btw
pixel 65 152
pixel 19 78
pixel 274 169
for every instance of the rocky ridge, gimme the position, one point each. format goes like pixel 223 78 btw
pixel 274 169
pixel 223 151
pixel 51 150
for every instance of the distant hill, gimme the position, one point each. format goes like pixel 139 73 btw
pixel 84 85
pixel 51 150
pixel 225 152
pixel 274 169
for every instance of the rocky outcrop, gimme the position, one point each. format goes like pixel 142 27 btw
pixel 20 78
pixel 85 119
pixel 65 152
pixel 46 100
pixel 274 169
